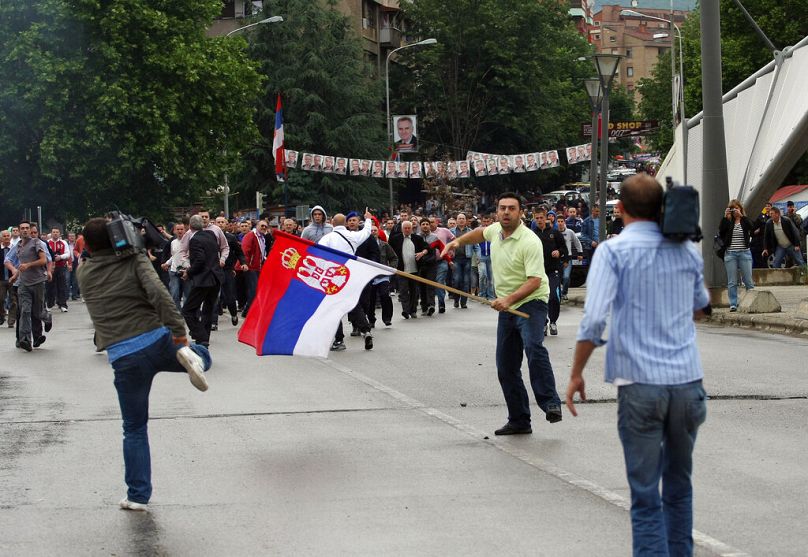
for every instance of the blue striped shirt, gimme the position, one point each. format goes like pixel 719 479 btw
pixel 651 286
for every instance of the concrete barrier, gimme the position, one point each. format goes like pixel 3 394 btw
pixel 758 301
pixel 778 277
pixel 802 310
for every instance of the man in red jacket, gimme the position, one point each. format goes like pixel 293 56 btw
pixel 57 289
pixel 254 246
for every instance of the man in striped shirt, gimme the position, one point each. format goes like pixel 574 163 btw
pixel 654 288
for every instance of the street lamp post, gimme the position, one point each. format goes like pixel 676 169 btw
pixel 425 42
pixel 595 94
pixel 677 93
pixel 606 64
pixel 273 19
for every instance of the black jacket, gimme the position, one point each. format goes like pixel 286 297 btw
pixel 420 245
pixel 551 240
pixel 236 253
pixel 727 225
pixel 790 229
pixel 203 253
pixel 369 249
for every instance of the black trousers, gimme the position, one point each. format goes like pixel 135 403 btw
pixel 226 297
pixel 357 318
pixel 197 311
pixel 381 292
pixel 408 294
pixel 56 290
pixel 427 292
pixel 554 304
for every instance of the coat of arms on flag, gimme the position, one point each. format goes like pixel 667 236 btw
pixel 303 293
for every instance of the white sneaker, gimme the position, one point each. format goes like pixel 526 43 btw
pixel 128 505
pixel 195 367
pixel 64 309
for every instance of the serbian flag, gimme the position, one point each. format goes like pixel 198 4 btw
pixel 278 147
pixel 303 293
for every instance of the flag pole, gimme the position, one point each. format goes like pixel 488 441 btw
pixel 450 289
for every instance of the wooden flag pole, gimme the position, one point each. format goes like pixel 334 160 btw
pixel 456 291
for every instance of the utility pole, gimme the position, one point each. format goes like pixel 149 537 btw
pixel 714 178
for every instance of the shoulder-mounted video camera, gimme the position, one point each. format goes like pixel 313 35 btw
pixel 679 220
pixel 130 233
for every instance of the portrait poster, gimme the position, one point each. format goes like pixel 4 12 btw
pixel 341 166
pixel 479 168
pixel 308 162
pixel 355 167
pixel 291 159
pixel 405 133
pixel 415 169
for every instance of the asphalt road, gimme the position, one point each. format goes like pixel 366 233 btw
pixel 388 452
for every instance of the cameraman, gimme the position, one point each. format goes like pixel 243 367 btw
pixel 139 326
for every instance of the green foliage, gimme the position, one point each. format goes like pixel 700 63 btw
pixel 503 78
pixel 331 105
pixel 117 103
pixel 655 103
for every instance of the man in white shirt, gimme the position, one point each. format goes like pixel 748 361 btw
pixel 224 248
pixel 342 239
pixel 178 288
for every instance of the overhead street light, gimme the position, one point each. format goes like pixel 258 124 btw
pixel 677 82
pixel 425 42
pixel 273 19
pixel 595 93
pixel 606 65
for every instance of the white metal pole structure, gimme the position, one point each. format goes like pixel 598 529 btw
pixel 425 42
pixel 606 65
pixel 273 19
pixel 595 92
pixel 678 93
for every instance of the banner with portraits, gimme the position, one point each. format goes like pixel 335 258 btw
pixel 476 164
pixel 579 153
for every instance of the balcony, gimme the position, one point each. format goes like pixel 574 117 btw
pixel 390 37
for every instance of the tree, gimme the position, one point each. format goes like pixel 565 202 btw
pixel 656 102
pixel 118 103
pixel 332 106
pixel 502 79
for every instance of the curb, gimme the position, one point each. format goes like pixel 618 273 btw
pixel 776 323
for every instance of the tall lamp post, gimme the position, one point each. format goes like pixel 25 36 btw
pixel 425 42
pixel 273 19
pixel 595 93
pixel 677 93
pixel 606 64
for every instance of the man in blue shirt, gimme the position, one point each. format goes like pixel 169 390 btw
pixel 590 230
pixel 654 288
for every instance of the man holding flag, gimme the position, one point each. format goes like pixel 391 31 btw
pixel 278 147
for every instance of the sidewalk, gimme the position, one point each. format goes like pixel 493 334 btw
pixel 787 322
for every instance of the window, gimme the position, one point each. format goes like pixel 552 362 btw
pixel 597 24
pixel 612 39
pixel 615 51
pixel 629 72
pixel 597 37
pixel 628 53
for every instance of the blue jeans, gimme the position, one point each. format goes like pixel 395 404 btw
pixel 734 261
pixel 133 379
pixel 462 276
pixel 658 426
pixel 780 254
pixel 440 276
pixel 486 278
pixel 178 288
pixel 565 279
pixel 514 335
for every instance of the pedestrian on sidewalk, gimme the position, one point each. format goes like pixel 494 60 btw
pixel 139 326
pixel 655 289
pixel 781 238
pixel 735 229
pixel 521 283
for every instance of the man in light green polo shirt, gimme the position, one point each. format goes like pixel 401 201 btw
pixel 520 282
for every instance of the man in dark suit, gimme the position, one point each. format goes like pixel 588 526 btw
pixel 206 278
pixel 410 249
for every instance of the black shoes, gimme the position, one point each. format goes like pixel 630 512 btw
pixel 368 341
pixel 442 309
pixel 553 414
pixel 234 319
pixel 512 429
pixel 355 332
pixel 39 341
pixel 553 329
pixel 48 323
pixel 457 303
pixel 405 315
pixel 430 311
pixel 338 346
pixel 387 323
pixel 25 344
pixel 463 306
